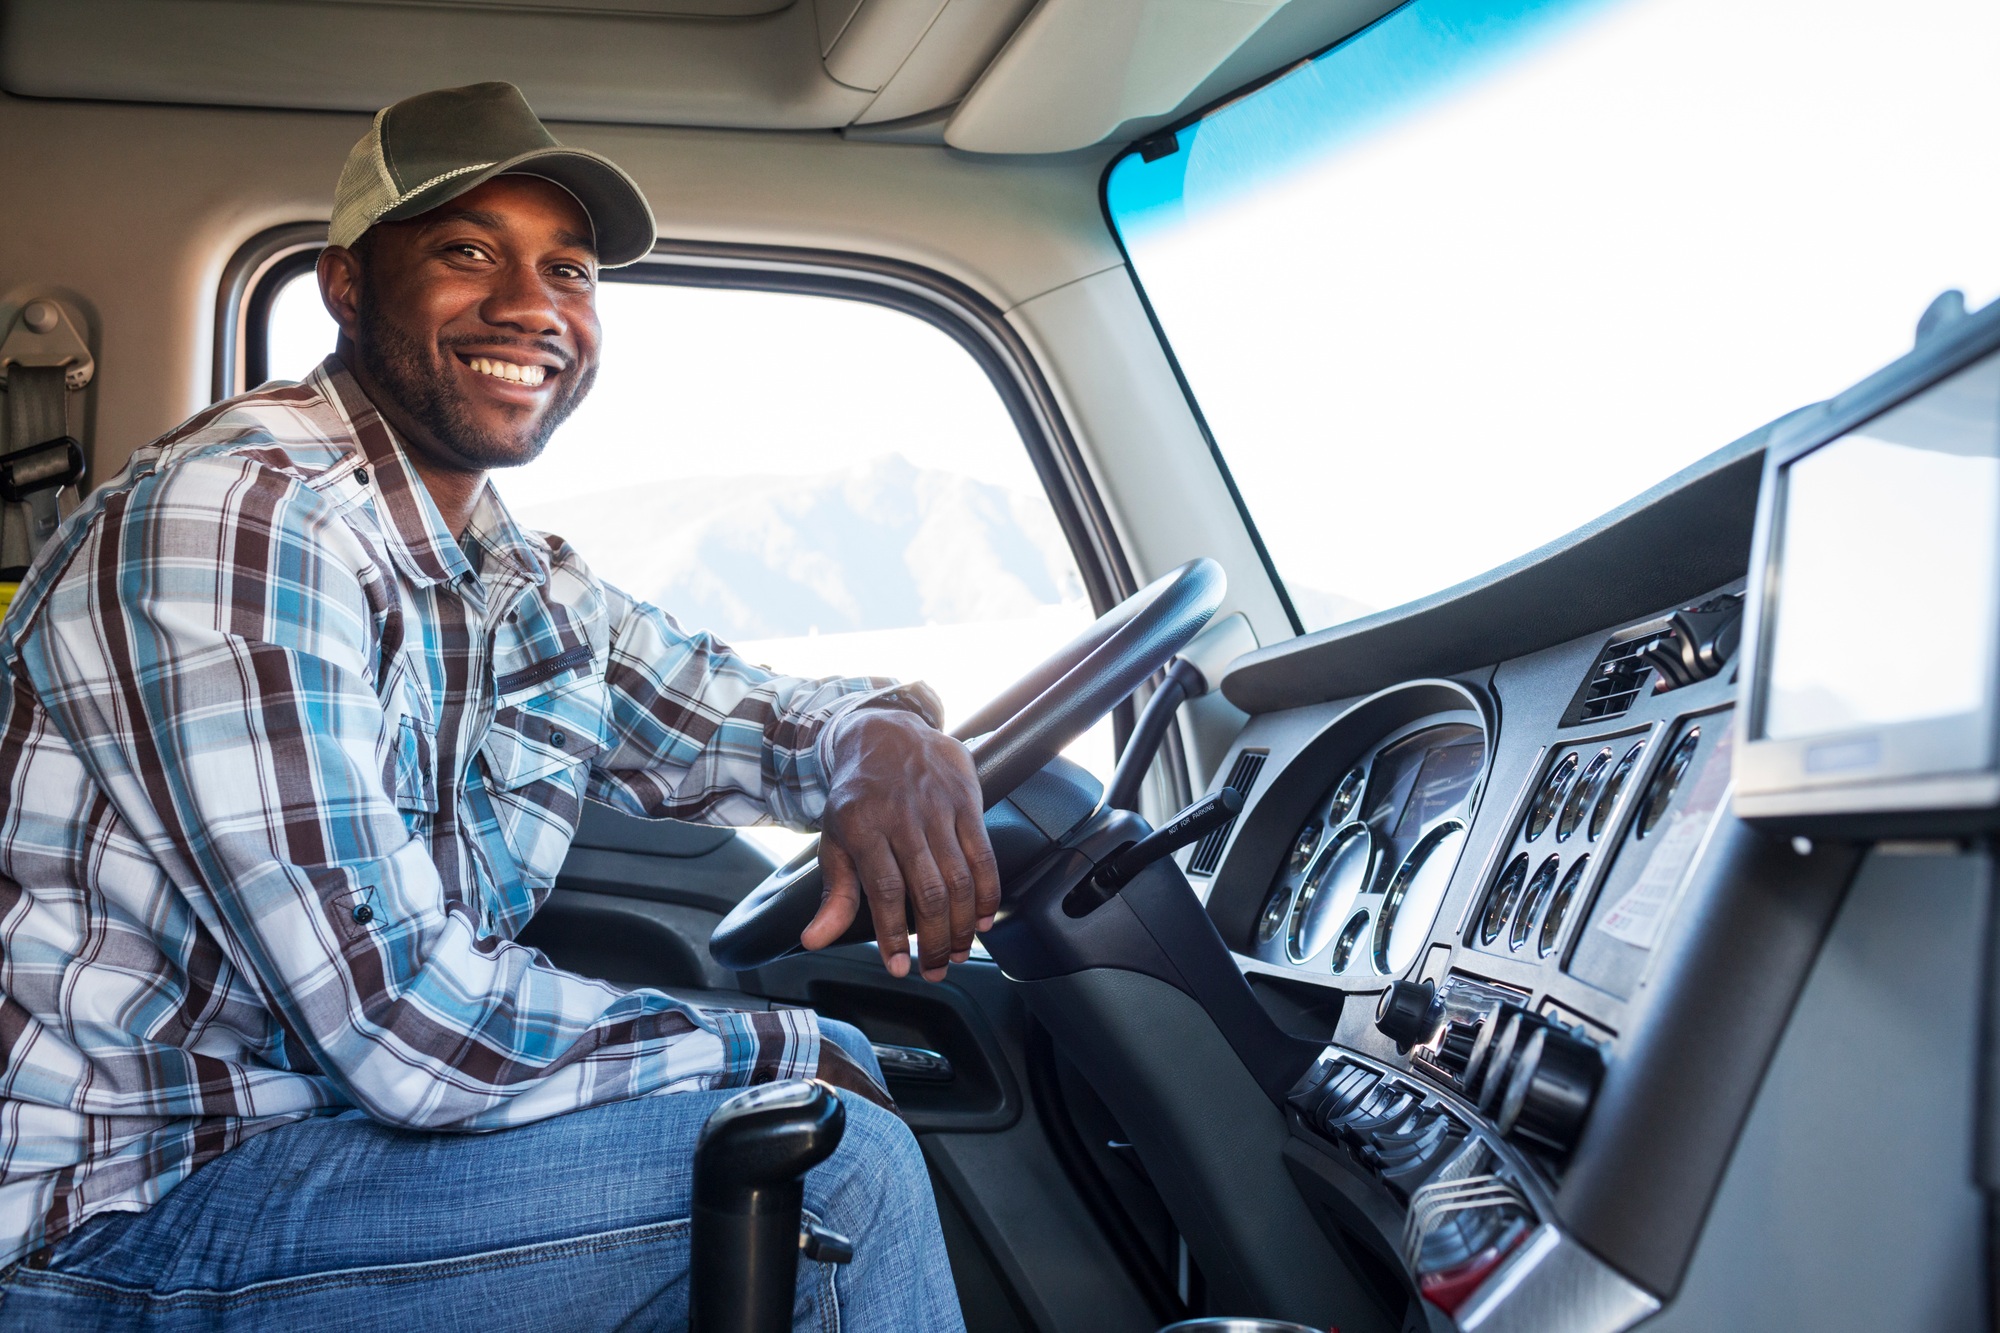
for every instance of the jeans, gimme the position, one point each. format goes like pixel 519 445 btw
pixel 577 1222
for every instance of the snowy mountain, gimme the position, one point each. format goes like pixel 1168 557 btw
pixel 882 545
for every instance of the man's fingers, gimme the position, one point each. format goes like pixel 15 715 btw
pixel 977 849
pixel 929 901
pixel 961 903
pixel 840 897
pixel 882 880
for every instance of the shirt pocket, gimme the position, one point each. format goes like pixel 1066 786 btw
pixel 538 756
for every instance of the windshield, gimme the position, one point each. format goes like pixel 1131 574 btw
pixel 1488 269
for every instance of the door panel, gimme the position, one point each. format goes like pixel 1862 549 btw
pixel 635 903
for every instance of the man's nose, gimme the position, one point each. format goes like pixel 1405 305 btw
pixel 522 301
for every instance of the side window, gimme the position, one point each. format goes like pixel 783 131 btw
pixel 833 487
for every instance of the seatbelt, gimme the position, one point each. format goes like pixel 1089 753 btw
pixel 43 364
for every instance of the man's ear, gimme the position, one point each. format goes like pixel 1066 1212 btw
pixel 340 287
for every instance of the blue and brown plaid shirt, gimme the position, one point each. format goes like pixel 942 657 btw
pixel 286 767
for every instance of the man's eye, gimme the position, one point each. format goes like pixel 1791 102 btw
pixel 571 272
pixel 469 251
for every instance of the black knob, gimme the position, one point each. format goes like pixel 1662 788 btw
pixel 1550 1088
pixel 748 1195
pixel 1410 1013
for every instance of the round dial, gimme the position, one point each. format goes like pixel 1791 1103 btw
pixel 1337 877
pixel 1600 814
pixel 1552 922
pixel 1550 799
pixel 1346 795
pixel 1540 889
pixel 1504 898
pixel 1350 936
pixel 1667 781
pixel 1582 794
pixel 1411 903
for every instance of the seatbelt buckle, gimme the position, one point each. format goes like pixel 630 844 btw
pixel 24 472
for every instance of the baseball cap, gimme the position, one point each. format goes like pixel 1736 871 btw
pixel 435 146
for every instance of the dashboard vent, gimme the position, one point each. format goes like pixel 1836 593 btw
pixel 1618 675
pixel 1242 776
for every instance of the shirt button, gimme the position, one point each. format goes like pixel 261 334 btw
pixel 361 475
pixel 363 914
pixel 557 739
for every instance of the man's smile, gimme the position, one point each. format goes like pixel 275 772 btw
pixel 513 371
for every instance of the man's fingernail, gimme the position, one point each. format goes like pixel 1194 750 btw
pixel 985 922
pixel 961 955
pixel 934 974
pixel 898 965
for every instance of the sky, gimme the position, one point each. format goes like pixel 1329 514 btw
pixel 1449 329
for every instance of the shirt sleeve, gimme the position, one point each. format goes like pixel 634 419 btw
pixel 210 655
pixel 699 733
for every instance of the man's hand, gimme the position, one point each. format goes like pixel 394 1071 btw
pixel 837 1069
pixel 904 821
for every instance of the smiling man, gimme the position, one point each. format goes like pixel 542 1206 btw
pixel 296 728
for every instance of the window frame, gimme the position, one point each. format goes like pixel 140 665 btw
pixel 264 263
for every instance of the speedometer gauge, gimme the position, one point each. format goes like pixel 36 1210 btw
pixel 1338 876
pixel 1414 896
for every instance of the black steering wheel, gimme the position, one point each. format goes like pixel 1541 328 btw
pixel 1011 739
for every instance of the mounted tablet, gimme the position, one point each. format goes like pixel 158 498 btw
pixel 1873 634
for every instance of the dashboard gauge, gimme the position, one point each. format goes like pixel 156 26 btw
pixel 1582 794
pixel 1343 948
pixel 1338 875
pixel 1346 796
pixel 1552 921
pixel 1600 814
pixel 1303 847
pixel 1540 889
pixel 1411 902
pixel 1668 781
pixel 1504 898
pixel 1550 798
pixel 1273 920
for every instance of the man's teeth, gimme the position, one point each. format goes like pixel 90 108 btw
pixel 507 370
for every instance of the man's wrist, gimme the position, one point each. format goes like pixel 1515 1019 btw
pixel 915 698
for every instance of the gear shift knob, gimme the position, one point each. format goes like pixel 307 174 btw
pixel 748 1195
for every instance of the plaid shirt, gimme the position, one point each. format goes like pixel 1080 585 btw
pixel 286 768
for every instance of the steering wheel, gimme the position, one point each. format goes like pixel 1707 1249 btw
pixel 1011 739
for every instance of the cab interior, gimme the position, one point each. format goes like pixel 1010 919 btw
pixel 1772 1090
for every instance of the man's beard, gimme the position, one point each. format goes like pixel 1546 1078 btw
pixel 424 389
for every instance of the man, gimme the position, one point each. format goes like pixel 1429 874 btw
pixel 296 729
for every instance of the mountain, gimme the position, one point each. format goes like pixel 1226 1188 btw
pixel 882 545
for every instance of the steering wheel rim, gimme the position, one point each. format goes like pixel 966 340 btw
pixel 1011 738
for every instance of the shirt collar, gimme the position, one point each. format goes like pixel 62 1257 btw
pixel 427 550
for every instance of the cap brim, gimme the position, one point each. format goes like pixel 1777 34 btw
pixel 619 213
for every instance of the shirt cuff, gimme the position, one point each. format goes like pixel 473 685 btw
pixel 765 1046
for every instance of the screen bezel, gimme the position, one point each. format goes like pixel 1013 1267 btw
pixel 1927 775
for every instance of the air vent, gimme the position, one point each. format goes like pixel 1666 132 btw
pixel 1620 673
pixel 1242 776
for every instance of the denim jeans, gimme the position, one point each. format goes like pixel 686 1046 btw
pixel 578 1222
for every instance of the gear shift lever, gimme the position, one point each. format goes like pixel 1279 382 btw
pixel 748 1196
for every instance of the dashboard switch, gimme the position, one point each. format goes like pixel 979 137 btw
pixel 1409 1013
pixel 1549 1089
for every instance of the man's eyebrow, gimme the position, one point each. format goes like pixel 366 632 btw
pixel 578 240
pixel 478 217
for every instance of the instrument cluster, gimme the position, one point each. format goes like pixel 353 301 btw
pixel 1360 887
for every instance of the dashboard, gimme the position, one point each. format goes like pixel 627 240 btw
pixel 1483 886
